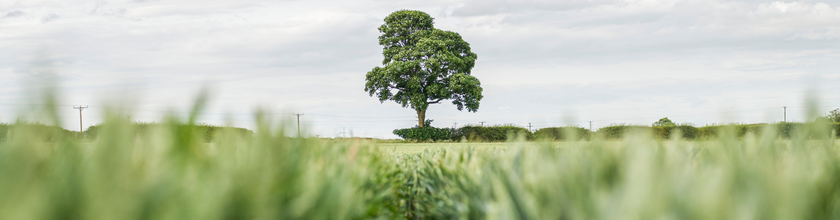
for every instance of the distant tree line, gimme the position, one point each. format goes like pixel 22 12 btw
pixel 662 129
pixel 50 133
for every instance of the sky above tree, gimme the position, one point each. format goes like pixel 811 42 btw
pixel 549 63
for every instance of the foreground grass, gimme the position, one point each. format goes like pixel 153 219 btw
pixel 172 172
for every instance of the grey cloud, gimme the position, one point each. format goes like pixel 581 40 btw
pixel 195 10
pixel 104 10
pixel 688 28
pixel 492 7
pixel 696 101
pixel 552 99
pixel 12 14
pixel 314 48
pixel 49 17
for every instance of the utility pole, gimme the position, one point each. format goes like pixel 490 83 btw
pixel 785 118
pixel 482 123
pixel 298 122
pixel 80 108
pixel 529 126
pixel 455 125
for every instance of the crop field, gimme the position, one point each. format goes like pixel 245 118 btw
pixel 172 172
pixel 416 148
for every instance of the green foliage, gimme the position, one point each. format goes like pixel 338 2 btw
pixel 490 133
pixel 205 131
pixel 618 131
pixel 423 65
pixel 562 133
pixel 664 122
pixel 685 130
pixel 39 130
pixel 781 129
pixel 426 133
pixel 833 116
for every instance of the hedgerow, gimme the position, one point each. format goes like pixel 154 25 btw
pixel 426 133
pixel 493 133
pixel 206 131
pixel 562 133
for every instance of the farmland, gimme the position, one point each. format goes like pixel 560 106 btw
pixel 173 172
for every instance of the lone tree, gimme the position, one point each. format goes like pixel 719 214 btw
pixel 423 65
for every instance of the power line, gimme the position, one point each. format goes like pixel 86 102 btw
pixel 348 116
pixel 80 108
pixel 367 121
pixel 298 122
pixel 785 117
pixel 34 104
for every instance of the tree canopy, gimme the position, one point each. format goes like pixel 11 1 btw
pixel 664 122
pixel 833 115
pixel 423 65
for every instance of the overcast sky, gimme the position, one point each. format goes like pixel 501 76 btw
pixel 549 63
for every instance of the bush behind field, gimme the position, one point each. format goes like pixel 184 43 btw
pixel 500 133
pixel 207 131
pixel 427 133
pixel 687 131
pixel 52 133
pixel 472 133
pixel 660 132
pixel 495 133
pixel 562 133
pixel 39 130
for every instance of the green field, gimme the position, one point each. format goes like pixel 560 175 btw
pixel 173 171
pixel 416 148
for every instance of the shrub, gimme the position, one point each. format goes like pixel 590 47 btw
pixel 618 131
pixel 664 122
pixel 207 132
pixel 490 133
pixel 786 129
pixel 711 131
pixel 40 130
pixel 664 132
pixel 782 129
pixel 833 116
pixel 424 133
pixel 562 133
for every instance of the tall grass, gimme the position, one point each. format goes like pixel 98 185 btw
pixel 171 171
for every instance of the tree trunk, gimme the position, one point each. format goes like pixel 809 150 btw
pixel 421 117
